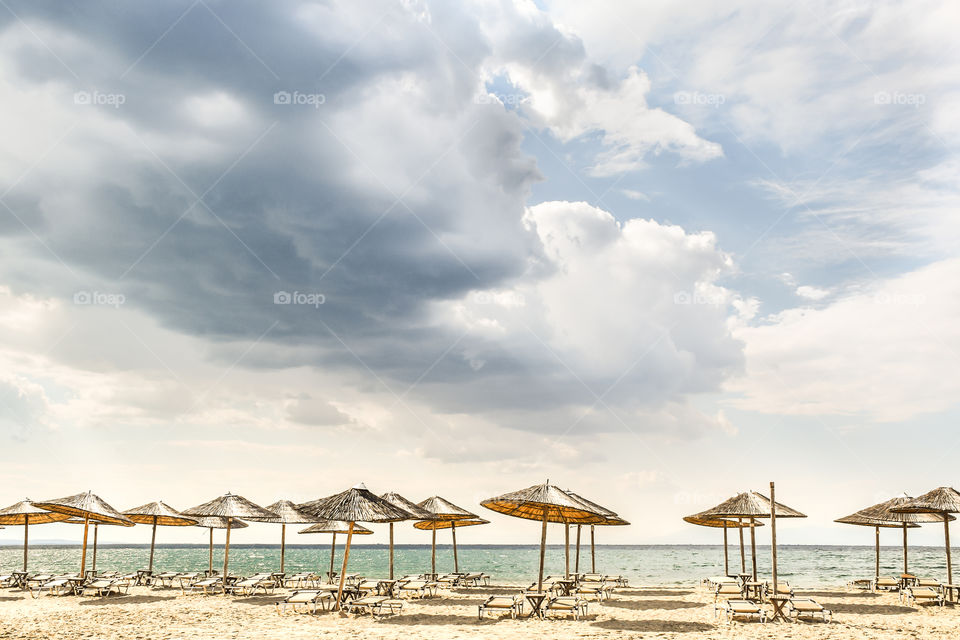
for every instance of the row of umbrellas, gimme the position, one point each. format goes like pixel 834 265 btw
pixel 339 513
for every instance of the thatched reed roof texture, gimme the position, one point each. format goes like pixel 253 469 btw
pixel 940 500
pixel 416 512
pixel 720 523
pixel 442 509
pixel 336 526
pixel 24 512
pixel 357 504
pixel 428 525
pixel 887 512
pixel 863 521
pixel 610 517
pixel 749 504
pixel 543 501
pixel 287 513
pixel 231 506
pixel 86 505
pixel 216 522
pixel 165 515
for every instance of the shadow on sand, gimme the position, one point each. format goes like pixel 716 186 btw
pixel 655 626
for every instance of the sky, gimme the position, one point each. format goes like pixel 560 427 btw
pixel 657 253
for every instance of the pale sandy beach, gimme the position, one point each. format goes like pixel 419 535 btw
pixel 636 612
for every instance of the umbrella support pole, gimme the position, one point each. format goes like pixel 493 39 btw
pixel 593 551
pixel 543 548
pixel 226 552
pixel 726 554
pixel 566 550
pixel 453 531
pixel 753 546
pixel 576 563
pixel 946 537
pixel 391 551
pixel 433 556
pixel 96 530
pixel 283 544
pixel 343 571
pixel 905 548
pixel 743 555
pixel 210 568
pixel 153 541
pixel 83 554
pixel 773 538
pixel 877 543
pixel 333 553
pixel 26 526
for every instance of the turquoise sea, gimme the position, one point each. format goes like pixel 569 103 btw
pixel 804 566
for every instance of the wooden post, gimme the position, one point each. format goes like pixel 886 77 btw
pixel 576 564
pixel 566 550
pixel 153 541
pixel 391 551
pixel 456 563
pixel 593 551
pixel 83 554
pixel 343 570
pixel 773 538
pixel 726 554
pixel 905 548
pixel 96 529
pixel 753 546
pixel 433 555
pixel 210 569
pixel 743 555
pixel 226 553
pixel 26 526
pixel 543 549
pixel 333 552
pixel 946 536
pixel 877 541
pixel 283 544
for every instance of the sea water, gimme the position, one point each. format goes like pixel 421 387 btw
pixel 803 566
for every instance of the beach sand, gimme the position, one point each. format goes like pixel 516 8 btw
pixel 147 613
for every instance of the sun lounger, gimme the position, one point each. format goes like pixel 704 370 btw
pixel 886 584
pixel 54 587
pixel 740 608
pixel 862 583
pixel 353 579
pixel 567 604
pixel 301 580
pixel 368 587
pixel 206 586
pixel 374 605
pixel 264 582
pixel 783 589
pixel 727 590
pixel 105 586
pixel 921 595
pixel 308 598
pixel 513 604
pixel 475 579
pixel 450 579
pixel 807 607
pixel 928 582
pixel 593 591
pixel 418 588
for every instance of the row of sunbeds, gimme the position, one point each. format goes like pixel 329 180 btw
pixel 912 590
pixel 734 599
pixel 71 583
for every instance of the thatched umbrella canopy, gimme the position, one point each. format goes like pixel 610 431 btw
pixel 453 525
pixel 335 527
pixel 942 501
pixel 415 511
pixel 442 509
pixel 287 513
pixel 357 504
pixel 24 513
pixel 750 505
pixel 158 513
pixel 861 520
pixel 230 506
pixel 725 524
pixel 610 519
pixel 546 503
pixel 216 522
pixel 87 507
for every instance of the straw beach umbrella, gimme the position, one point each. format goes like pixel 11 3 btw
pixel 335 527
pixel 157 513
pixel 24 513
pixel 416 513
pixel 942 501
pixel 86 507
pixel 860 520
pixel 444 510
pixel 216 522
pixel 725 524
pixel 610 519
pixel 357 504
pixel 230 507
pixel 453 525
pixel 545 503
pixel 287 513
